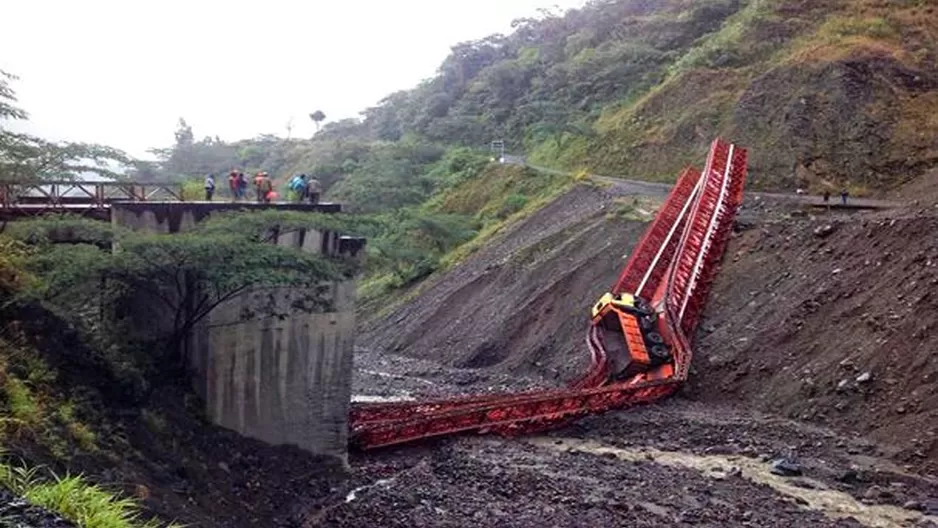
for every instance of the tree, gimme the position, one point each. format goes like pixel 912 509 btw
pixel 191 275
pixel 318 117
pixel 24 157
pixel 184 136
pixel 176 279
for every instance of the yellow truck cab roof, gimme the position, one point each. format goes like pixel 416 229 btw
pixel 625 300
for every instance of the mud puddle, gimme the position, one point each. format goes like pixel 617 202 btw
pixel 810 494
pixel 352 495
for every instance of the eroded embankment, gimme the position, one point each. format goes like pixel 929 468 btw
pixel 519 305
pixel 832 320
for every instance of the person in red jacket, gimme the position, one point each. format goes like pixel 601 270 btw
pixel 258 186
pixel 234 184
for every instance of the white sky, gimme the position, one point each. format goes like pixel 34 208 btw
pixel 122 72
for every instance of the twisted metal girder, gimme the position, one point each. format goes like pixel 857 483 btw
pixel 675 261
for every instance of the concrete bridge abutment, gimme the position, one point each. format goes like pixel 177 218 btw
pixel 282 379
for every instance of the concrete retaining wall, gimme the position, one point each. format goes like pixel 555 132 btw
pixel 282 380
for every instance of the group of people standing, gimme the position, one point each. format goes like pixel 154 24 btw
pixel 303 187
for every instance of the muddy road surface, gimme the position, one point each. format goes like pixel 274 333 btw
pixel 679 463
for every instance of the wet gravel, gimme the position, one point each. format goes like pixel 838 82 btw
pixel 17 513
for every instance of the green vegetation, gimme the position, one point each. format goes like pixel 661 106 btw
pixel 73 293
pixel 30 406
pixel 87 505
pixel 79 277
pixel 617 87
pixel 23 406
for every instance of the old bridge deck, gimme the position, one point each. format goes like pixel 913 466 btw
pixel 95 199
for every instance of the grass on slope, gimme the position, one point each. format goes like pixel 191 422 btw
pixel 84 504
pixel 31 408
pixel 672 124
pixel 498 197
pixel 531 190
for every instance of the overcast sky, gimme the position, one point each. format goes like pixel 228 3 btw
pixel 122 72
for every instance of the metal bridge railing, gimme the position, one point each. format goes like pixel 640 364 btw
pixel 42 196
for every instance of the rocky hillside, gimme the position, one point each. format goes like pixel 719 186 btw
pixel 831 320
pixel 825 92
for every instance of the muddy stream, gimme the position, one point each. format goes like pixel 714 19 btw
pixel 811 494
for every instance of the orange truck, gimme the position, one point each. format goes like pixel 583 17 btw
pixel 630 334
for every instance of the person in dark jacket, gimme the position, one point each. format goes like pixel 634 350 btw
pixel 313 190
pixel 209 187
pixel 242 185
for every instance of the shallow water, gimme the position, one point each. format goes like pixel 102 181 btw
pixel 832 503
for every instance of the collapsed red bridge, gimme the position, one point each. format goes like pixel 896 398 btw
pixel 639 335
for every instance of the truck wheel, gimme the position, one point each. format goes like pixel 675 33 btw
pixel 654 337
pixel 660 353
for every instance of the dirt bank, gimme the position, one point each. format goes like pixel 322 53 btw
pixel 519 305
pixel 831 320
pixel 827 318
pixel 823 319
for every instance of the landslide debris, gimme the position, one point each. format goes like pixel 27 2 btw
pixel 838 329
pixel 820 316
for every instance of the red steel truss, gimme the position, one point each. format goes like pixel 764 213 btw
pixel 673 264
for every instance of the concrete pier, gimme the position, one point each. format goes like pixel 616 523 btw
pixel 280 380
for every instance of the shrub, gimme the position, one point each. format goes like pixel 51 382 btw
pixel 23 406
pixel 511 205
